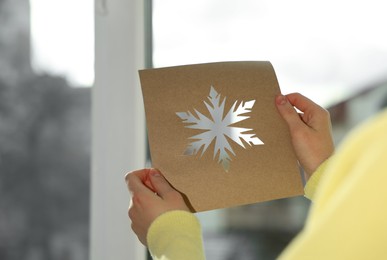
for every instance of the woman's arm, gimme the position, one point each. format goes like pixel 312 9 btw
pixel 161 219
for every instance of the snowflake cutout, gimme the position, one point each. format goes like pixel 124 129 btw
pixel 219 128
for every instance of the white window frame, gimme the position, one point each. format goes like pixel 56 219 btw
pixel 118 126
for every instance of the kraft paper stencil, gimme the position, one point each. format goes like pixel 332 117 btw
pixel 216 135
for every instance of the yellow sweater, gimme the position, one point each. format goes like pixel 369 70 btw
pixel 348 217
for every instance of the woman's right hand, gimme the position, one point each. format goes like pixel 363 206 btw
pixel 311 130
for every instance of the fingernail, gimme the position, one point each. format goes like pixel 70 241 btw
pixel 154 173
pixel 281 100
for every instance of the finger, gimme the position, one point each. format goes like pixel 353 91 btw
pixel 148 182
pixel 313 115
pixel 135 181
pixel 303 103
pixel 142 174
pixel 160 184
pixel 288 113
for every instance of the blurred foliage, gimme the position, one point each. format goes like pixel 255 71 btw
pixel 44 169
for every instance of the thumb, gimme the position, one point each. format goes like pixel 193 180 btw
pixel 288 113
pixel 160 184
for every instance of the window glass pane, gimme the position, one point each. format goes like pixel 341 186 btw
pixel 45 128
pixel 62 39
pixel 325 49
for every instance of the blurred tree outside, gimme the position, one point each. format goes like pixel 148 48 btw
pixel 44 153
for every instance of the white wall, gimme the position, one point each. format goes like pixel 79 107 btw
pixel 118 128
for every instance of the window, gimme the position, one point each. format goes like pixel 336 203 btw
pixel 327 50
pixel 322 49
pixel 45 128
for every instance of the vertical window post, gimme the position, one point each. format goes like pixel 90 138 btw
pixel 118 126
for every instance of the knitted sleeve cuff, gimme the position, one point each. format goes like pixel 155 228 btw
pixel 175 235
pixel 312 184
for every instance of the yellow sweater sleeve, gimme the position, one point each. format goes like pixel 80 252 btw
pixel 175 235
pixel 348 219
pixel 314 180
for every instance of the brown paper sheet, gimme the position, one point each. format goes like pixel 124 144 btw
pixel 236 156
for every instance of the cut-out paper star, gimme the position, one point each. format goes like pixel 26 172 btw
pixel 219 127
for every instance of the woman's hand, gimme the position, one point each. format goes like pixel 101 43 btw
pixel 311 131
pixel 152 196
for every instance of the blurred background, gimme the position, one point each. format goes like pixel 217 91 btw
pixel 334 52
pixel 46 74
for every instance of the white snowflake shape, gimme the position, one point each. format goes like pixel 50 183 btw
pixel 219 127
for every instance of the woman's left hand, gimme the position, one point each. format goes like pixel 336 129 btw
pixel 152 196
